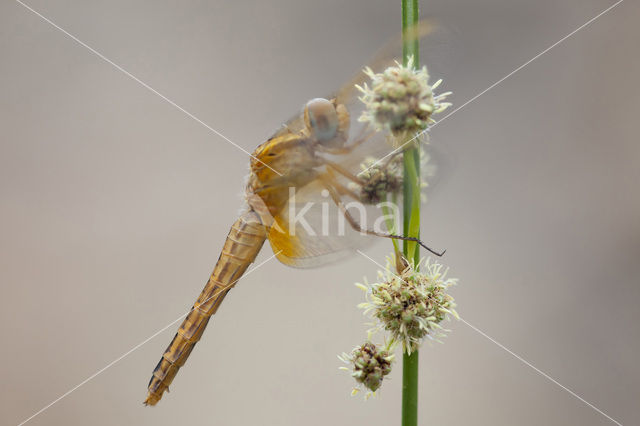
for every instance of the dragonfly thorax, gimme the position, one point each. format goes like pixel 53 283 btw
pixel 283 162
pixel 294 158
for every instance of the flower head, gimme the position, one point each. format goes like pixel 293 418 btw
pixel 411 304
pixel 401 100
pixel 369 365
pixel 380 178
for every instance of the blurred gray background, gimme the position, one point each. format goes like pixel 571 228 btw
pixel 115 205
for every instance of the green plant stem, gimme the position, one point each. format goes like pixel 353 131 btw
pixel 410 389
pixel 411 213
pixel 411 208
pixel 390 222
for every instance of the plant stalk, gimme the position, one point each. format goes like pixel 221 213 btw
pixel 411 212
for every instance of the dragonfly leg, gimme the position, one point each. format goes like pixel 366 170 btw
pixel 340 188
pixel 330 185
pixel 345 149
pixel 344 172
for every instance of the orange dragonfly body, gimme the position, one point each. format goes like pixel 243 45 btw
pixel 289 160
pixel 315 156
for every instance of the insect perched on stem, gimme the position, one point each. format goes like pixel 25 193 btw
pixel 304 184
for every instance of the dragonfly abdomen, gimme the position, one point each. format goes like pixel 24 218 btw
pixel 240 249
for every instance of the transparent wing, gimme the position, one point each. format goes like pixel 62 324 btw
pixel 348 94
pixel 311 229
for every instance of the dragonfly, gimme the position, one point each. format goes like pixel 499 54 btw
pixel 310 165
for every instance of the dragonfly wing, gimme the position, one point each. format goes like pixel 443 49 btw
pixel 304 250
pixel 384 57
pixel 311 230
pixel 348 94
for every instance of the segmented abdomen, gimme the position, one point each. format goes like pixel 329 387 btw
pixel 240 249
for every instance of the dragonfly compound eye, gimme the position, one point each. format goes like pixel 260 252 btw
pixel 321 119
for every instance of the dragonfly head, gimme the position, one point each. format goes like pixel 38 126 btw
pixel 326 122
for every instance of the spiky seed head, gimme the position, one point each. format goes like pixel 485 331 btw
pixel 401 100
pixel 411 304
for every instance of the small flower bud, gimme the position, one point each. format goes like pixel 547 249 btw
pixel 369 365
pixel 379 179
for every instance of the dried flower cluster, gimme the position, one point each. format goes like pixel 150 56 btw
pixel 411 304
pixel 380 178
pixel 369 365
pixel 401 100
pixel 384 177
